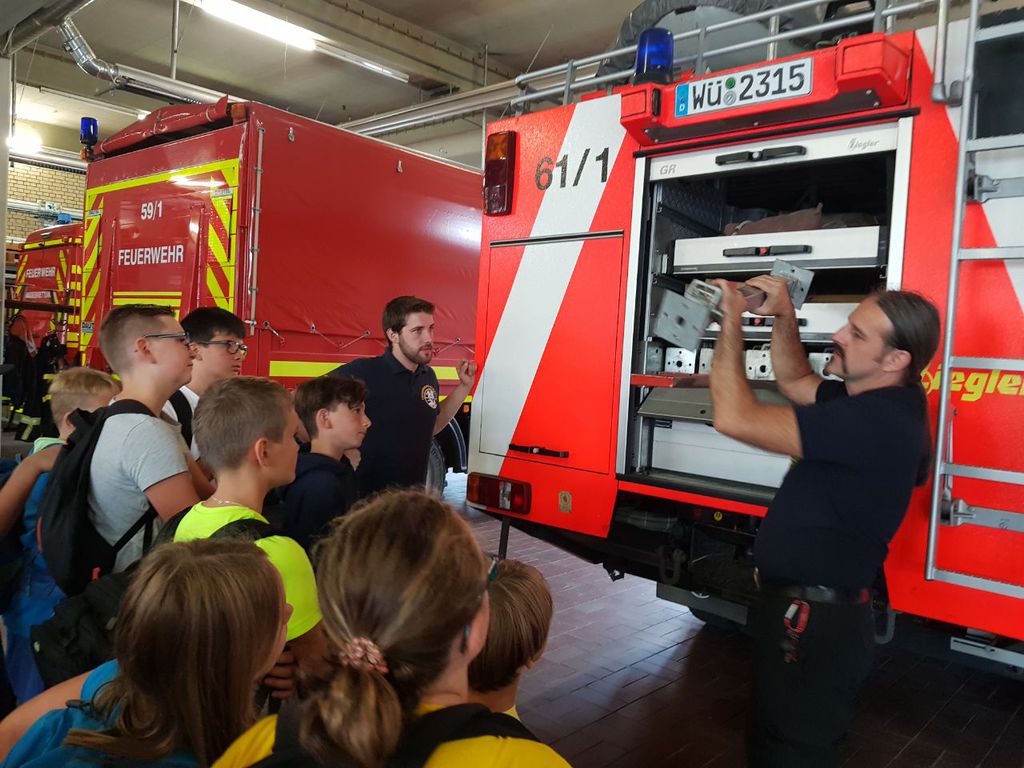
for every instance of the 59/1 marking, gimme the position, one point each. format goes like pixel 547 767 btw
pixel 545 174
pixel 153 210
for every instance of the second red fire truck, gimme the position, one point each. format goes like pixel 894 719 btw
pixel 303 230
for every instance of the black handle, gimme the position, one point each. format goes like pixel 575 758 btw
pixel 735 157
pixel 767 250
pixel 773 153
pixel 536 450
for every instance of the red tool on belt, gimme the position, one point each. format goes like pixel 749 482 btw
pixel 795 622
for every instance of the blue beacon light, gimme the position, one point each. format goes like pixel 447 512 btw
pixel 90 132
pixel 654 54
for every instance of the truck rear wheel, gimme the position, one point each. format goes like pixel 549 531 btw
pixel 437 468
pixel 716 621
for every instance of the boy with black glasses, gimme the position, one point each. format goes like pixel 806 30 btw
pixel 215 337
pixel 140 461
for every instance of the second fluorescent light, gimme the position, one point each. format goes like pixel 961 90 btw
pixel 290 34
pixel 259 22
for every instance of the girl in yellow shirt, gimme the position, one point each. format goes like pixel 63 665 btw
pixel 402 588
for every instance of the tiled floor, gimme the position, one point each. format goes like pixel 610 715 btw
pixel 629 680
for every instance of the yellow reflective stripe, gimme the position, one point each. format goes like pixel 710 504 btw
pixel 228 168
pixel 299 369
pixel 445 373
pixel 147 293
pixel 161 302
pixel 222 264
pixel 216 293
pixel 48 243
pixel 469 398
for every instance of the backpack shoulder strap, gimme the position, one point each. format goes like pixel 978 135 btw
pixel 245 529
pixel 127 406
pixel 463 721
pixel 286 735
pixel 183 413
pixel 170 527
pixel 287 751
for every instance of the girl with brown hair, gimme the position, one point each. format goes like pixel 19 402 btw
pixel 200 625
pixel 402 586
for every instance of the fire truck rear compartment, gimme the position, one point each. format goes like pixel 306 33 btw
pixel 821 201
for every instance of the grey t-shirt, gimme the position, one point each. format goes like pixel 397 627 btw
pixel 134 452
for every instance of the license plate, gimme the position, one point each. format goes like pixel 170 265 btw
pixel 740 89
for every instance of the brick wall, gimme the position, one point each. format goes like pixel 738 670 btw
pixel 34 184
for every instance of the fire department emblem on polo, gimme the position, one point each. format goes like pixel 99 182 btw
pixel 429 396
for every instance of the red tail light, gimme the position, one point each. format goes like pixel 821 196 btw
pixel 498 493
pixel 499 173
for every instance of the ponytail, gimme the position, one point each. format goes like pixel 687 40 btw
pixel 355 719
pixel 399 578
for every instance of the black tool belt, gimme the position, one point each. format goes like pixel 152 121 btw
pixel 818 594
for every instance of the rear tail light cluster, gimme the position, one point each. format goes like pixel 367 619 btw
pixel 499 173
pixel 498 493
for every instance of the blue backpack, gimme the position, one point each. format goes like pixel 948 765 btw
pixel 42 746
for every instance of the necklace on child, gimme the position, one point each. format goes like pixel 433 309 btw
pixel 219 502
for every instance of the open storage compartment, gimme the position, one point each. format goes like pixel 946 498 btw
pixel 820 201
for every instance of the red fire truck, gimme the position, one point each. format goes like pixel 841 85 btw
pixel 50 261
pixel 301 229
pixel 40 317
pixel 592 431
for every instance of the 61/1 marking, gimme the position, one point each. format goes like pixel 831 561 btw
pixel 544 175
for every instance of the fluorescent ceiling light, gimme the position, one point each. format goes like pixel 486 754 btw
pixel 117 109
pixel 25 140
pixel 259 22
pixel 352 58
pixel 290 34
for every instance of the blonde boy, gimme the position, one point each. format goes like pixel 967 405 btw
pixel 33 603
pixel 521 610
pixel 246 429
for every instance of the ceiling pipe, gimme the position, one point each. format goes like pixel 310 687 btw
pixel 40 209
pixel 495 96
pixel 41 22
pixel 128 78
pixel 55 158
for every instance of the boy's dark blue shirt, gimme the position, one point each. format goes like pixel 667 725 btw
pixel 323 489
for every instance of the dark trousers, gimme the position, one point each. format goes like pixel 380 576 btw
pixel 801 708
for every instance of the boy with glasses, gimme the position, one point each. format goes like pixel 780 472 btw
pixel 140 461
pixel 215 337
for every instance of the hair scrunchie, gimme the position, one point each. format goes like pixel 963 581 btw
pixel 363 655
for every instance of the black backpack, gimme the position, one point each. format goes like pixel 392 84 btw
pixel 183 413
pixel 419 741
pixel 12 555
pixel 80 635
pixel 76 554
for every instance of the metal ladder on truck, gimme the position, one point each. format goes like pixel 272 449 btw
pixel 945 509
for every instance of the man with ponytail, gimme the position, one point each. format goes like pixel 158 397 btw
pixel 403 594
pixel 861 443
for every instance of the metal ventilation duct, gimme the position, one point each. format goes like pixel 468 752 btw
pixel 129 78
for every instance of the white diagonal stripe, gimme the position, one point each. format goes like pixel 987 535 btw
pixel 544 273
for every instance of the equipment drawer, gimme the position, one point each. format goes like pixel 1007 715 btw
pixel 813 249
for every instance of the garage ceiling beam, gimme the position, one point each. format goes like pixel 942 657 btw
pixel 389 40
pixel 16 11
